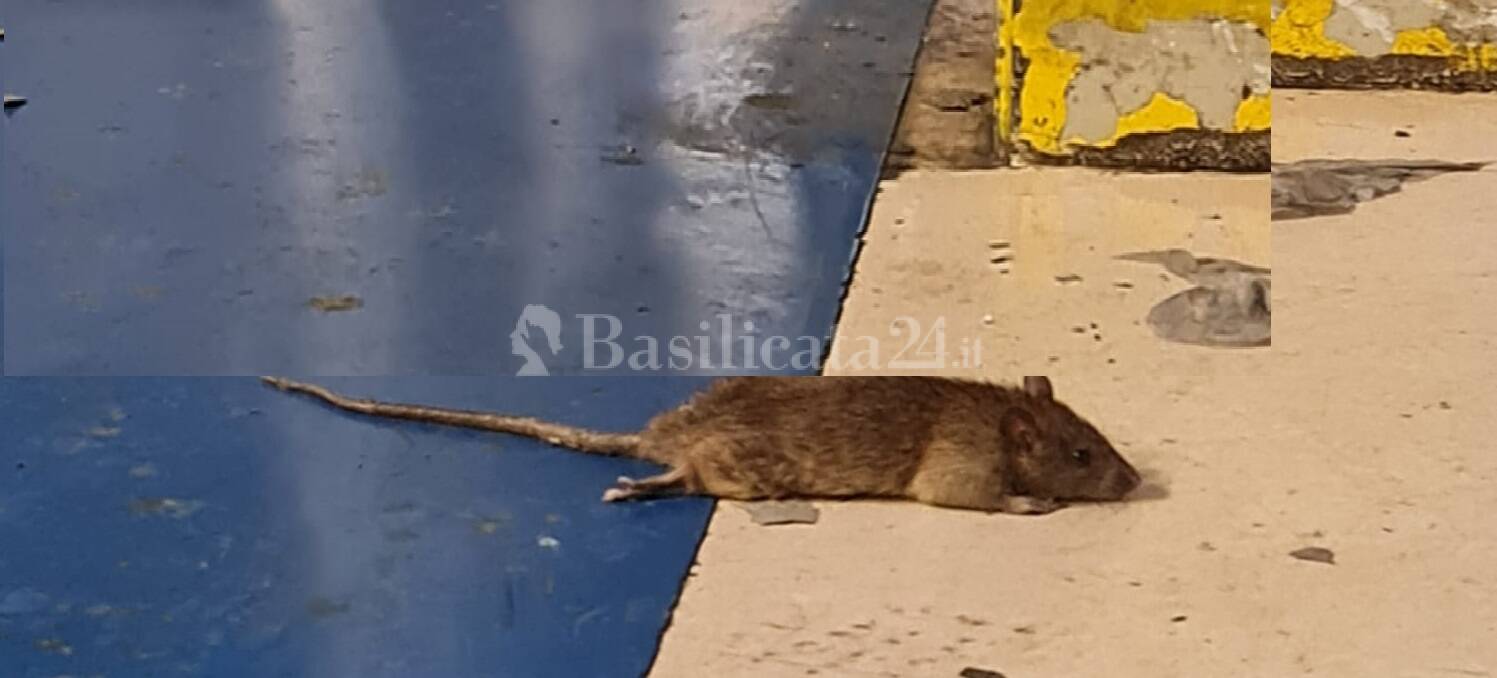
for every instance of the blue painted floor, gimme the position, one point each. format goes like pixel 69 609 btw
pixel 216 527
pixel 391 190
pixel 382 188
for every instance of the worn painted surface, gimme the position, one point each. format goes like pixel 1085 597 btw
pixel 1464 31
pixel 216 527
pixel 1095 71
pixel 374 188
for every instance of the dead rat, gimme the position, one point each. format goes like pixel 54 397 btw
pixel 946 442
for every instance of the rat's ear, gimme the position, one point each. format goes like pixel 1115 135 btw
pixel 1039 387
pixel 1020 428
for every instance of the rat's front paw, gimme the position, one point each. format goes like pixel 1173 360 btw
pixel 617 494
pixel 1030 506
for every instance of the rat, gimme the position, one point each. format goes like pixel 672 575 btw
pixel 941 441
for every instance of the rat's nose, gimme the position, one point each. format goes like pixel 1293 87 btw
pixel 1128 480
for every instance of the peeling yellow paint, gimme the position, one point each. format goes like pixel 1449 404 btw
pixel 1433 41
pixel 1254 113
pixel 1162 113
pixel 1042 94
pixel 1430 41
pixel 1299 31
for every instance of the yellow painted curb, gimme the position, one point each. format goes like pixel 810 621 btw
pixel 1041 96
pixel 1299 31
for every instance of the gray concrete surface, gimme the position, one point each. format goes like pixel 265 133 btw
pixel 1364 431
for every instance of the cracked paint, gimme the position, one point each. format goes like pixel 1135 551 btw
pixel 1337 29
pixel 1182 73
pixel 1098 70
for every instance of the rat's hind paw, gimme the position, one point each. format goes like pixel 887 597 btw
pixel 1029 506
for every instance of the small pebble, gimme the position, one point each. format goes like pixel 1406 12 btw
pixel 332 304
pixel 974 672
pixel 1315 554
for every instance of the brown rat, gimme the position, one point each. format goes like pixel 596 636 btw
pixel 946 442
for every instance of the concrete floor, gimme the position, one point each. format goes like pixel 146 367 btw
pixel 993 258
pixel 1364 430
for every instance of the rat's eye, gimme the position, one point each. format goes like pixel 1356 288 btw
pixel 1082 457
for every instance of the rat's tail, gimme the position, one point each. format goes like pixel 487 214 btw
pixel 624 444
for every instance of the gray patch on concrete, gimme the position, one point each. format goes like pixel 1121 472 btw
pixel 782 512
pixel 1211 66
pixel 1312 188
pixel 1239 314
pixel 1230 305
pixel 1204 271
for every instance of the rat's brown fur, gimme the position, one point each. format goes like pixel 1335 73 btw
pixel 946 442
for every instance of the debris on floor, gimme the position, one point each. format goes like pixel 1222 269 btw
pixel 12 102
pixel 322 608
pixel 1312 188
pixel 973 672
pixel 1315 554
pixel 347 302
pixel 623 154
pixel 782 512
pixel 53 646
pixel 167 506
